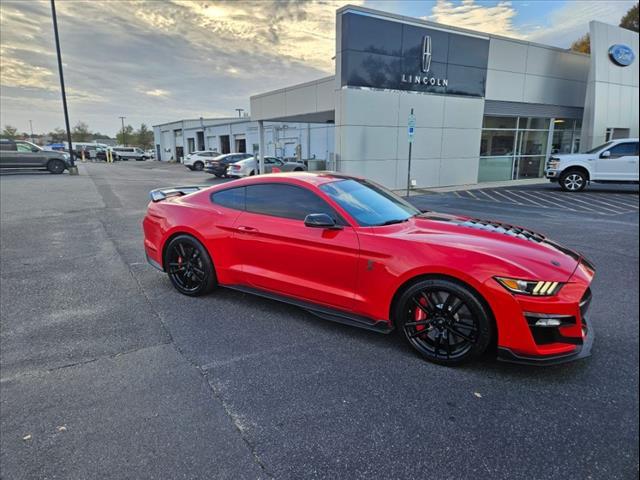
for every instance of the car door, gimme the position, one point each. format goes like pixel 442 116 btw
pixel 8 154
pixel 282 255
pixel 26 156
pixel 620 164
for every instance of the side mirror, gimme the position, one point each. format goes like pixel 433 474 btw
pixel 35 150
pixel 320 220
pixel 605 154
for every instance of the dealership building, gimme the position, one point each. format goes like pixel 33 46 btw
pixel 485 107
pixel 308 141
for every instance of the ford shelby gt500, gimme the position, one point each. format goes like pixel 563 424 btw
pixel 348 250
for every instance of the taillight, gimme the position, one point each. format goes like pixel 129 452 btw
pixel 236 167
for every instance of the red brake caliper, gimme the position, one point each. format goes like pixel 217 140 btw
pixel 419 315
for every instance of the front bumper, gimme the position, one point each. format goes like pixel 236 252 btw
pixel 581 351
pixel 552 173
pixel 524 338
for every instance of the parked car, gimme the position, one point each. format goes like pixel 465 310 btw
pixel 351 251
pixel 613 162
pixel 101 154
pixel 218 165
pixel 151 153
pixel 22 154
pixel 249 166
pixel 126 153
pixel 196 160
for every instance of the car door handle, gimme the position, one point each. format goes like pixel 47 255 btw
pixel 245 229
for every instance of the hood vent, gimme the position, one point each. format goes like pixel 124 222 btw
pixel 505 229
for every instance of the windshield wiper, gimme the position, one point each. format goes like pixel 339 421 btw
pixel 392 222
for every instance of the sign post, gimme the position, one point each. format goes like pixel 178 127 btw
pixel 411 130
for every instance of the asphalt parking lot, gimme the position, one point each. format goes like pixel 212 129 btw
pixel 107 372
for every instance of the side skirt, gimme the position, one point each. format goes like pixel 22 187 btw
pixel 321 311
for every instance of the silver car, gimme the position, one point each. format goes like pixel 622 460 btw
pixel 249 166
pixel 21 154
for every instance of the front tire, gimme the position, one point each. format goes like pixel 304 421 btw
pixel 198 166
pixel 573 181
pixel 56 166
pixel 444 321
pixel 189 266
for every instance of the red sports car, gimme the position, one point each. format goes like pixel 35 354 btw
pixel 351 251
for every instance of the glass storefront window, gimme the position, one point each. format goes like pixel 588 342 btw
pixel 495 169
pixel 499 122
pixel 533 123
pixel 517 147
pixel 497 142
pixel 532 142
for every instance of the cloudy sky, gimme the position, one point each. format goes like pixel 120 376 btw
pixel 156 61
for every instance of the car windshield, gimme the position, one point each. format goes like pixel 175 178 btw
pixel 600 147
pixel 369 204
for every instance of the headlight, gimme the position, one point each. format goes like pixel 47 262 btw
pixel 66 156
pixel 527 287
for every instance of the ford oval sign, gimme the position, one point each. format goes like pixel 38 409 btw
pixel 621 55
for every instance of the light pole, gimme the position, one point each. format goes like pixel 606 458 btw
pixel 31 128
pixel 73 170
pixel 124 134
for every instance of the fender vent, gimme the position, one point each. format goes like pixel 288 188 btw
pixel 505 229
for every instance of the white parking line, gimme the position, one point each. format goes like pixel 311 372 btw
pixel 540 198
pixel 525 198
pixel 487 195
pixel 511 200
pixel 589 206
pixel 595 198
pixel 615 201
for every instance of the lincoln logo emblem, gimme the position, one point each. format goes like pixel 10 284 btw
pixel 426 53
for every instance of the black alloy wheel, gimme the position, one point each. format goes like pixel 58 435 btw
pixel 56 166
pixel 198 166
pixel 573 181
pixel 189 266
pixel 444 321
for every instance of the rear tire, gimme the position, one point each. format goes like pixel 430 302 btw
pixel 56 166
pixel 252 173
pixel 444 321
pixel 573 181
pixel 198 166
pixel 189 266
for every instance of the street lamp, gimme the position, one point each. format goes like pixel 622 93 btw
pixel 31 128
pixel 73 170
pixel 124 134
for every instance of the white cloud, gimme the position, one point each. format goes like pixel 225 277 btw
pixel 157 92
pixel 496 19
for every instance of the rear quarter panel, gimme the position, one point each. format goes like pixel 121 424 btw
pixel 197 216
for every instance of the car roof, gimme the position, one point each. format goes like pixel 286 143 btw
pixel 310 178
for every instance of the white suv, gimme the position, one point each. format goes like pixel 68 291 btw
pixel 196 160
pixel 614 162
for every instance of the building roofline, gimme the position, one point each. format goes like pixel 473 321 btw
pixel 219 119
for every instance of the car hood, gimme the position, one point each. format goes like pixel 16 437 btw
pixel 573 156
pixel 528 253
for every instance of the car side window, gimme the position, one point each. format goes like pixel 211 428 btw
pixel 23 147
pixel 624 149
pixel 286 201
pixel 230 198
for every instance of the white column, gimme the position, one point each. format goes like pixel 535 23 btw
pixel 261 145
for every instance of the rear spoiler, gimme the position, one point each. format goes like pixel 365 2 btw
pixel 160 194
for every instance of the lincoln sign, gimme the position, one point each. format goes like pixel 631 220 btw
pixel 393 55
